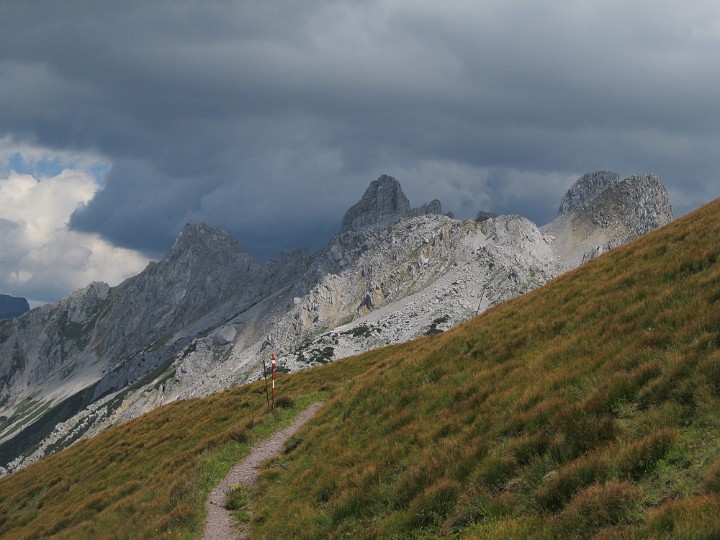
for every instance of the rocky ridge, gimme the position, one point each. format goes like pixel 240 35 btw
pixel 202 318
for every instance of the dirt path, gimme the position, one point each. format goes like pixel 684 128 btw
pixel 219 524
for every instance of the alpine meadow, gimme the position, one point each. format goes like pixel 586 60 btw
pixel 587 407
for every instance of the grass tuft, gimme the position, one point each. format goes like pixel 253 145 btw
pixel 598 506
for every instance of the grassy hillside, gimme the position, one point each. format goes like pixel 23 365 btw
pixel 149 477
pixel 588 407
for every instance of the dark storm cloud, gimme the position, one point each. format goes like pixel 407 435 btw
pixel 270 118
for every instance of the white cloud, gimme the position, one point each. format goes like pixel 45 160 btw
pixel 40 258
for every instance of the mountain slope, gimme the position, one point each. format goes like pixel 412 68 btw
pixel 588 406
pixel 61 358
pixel 199 320
pixel 393 274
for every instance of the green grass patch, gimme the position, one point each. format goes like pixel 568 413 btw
pixel 238 503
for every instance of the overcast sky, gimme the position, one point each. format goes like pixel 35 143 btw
pixel 120 121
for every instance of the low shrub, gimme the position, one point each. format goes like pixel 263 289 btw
pixel 710 368
pixel 712 478
pixel 581 431
pixel 284 402
pixel 495 471
pixel 526 448
pixel 237 497
pixel 237 501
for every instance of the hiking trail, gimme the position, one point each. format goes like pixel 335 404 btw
pixel 219 522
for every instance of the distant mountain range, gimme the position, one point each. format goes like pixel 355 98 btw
pixel 12 306
pixel 204 317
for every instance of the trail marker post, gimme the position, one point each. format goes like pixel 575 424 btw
pixel 272 359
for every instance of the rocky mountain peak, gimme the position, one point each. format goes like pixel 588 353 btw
pixel 197 233
pixel 599 212
pixel 586 189
pixel 482 215
pixel 383 201
pixel 199 241
pixel 189 286
pixel 434 207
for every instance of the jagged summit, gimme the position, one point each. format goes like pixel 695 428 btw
pixel 198 228
pixel 201 236
pixel 434 207
pixel 383 201
pixel 482 215
pixel 586 189
pixel 639 202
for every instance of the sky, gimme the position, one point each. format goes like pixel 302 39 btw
pixel 121 121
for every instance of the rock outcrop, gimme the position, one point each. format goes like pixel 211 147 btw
pixel 599 212
pixel 201 319
pixel 586 189
pixel 102 339
pixel 383 202
pixel 434 207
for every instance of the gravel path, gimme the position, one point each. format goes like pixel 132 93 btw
pixel 219 524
